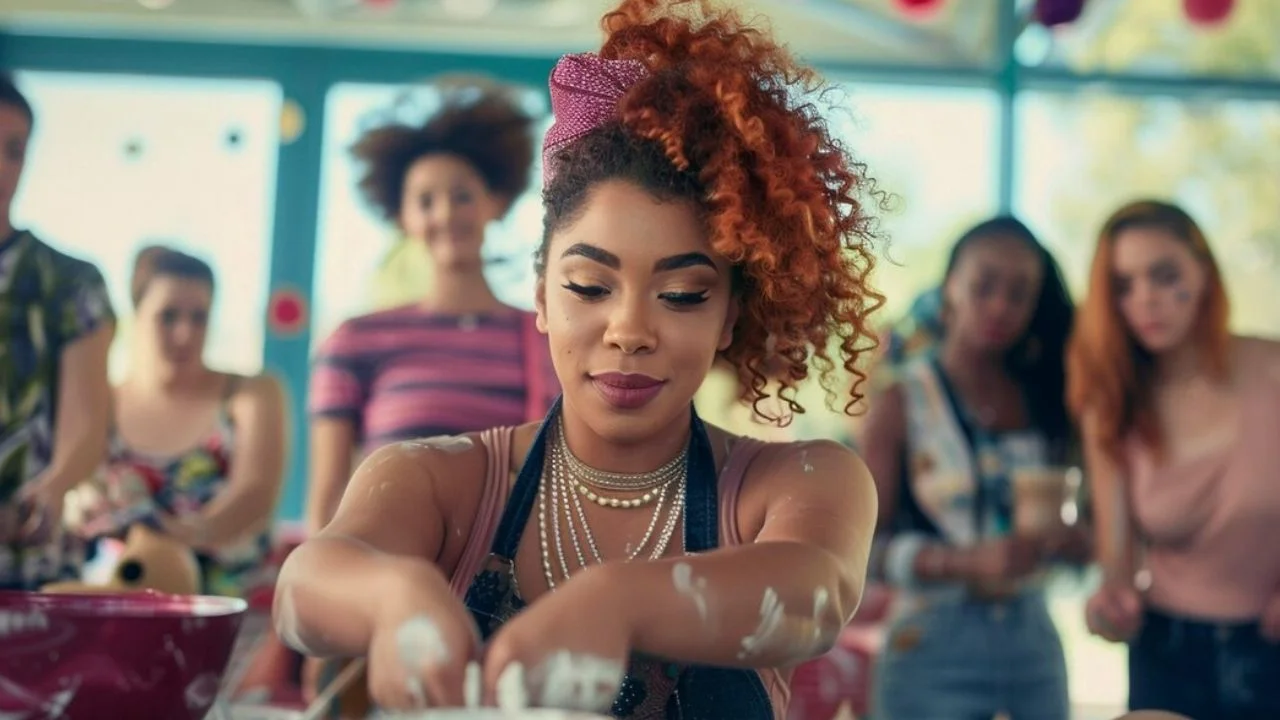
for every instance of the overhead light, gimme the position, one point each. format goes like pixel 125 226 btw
pixel 155 4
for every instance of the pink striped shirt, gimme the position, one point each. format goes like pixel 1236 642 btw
pixel 408 373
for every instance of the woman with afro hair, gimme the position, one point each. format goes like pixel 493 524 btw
pixel 458 359
pixel 622 555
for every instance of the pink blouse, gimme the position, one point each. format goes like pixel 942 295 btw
pixel 1212 524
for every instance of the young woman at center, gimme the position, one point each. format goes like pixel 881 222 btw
pixel 622 553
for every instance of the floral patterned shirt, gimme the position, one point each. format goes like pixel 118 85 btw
pixel 133 487
pixel 48 300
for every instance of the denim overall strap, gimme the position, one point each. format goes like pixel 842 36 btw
pixel 525 492
pixel 702 502
pixel 703 692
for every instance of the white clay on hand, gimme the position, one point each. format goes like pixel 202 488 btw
pixel 472 685
pixel 571 681
pixel 511 691
pixel 420 645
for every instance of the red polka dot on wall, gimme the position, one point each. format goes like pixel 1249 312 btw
pixel 286 311
pixel 919 8
pixel 1208 12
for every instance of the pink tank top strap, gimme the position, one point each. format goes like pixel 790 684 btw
pixel 777 683
pixel 497 445
pixel 740 456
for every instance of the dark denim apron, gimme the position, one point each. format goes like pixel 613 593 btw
pixel 653 688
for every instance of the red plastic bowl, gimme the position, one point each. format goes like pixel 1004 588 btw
pixel 111 656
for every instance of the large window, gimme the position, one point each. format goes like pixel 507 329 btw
pixel 933 150
pixel 118 162
pixel 1083 155
pixel 361 262
pixel 1156 38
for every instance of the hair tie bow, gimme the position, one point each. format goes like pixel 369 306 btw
pixel 585 92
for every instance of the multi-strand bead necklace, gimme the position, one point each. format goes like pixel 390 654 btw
pixel 568 484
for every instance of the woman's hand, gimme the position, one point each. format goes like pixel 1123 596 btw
pixel 1114 612
pixel 423 639
pixel 568 650
pixel 1003 560
pixel 40 511
pixel 190 530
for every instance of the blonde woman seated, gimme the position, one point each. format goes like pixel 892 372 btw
pixel 194 453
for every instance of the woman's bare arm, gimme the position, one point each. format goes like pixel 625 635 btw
pixel 248 502
pixel 379 553
pixel 332 450
pixel 778 600
pixel 884 436
pixel 83 402
pixel 1114 542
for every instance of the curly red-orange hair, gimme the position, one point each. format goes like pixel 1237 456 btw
pixel 728 119
pixel 1109 376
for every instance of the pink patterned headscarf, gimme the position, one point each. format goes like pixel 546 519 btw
pixel 585 92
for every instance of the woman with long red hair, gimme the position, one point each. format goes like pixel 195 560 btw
pixel 1179 420
pixel 622 553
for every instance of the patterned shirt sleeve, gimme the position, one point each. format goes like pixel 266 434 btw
pixel 339 384
pixel 84 305
pixel 919 331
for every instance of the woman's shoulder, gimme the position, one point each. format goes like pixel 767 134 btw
pixel 1255 363
pixel 822 476
pixel 806 457
pixel 424 493
pixel 735 448
pixel 440 452
pixel 441 466
pixel 1251 352
pixel 262 388
pixel 779 463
